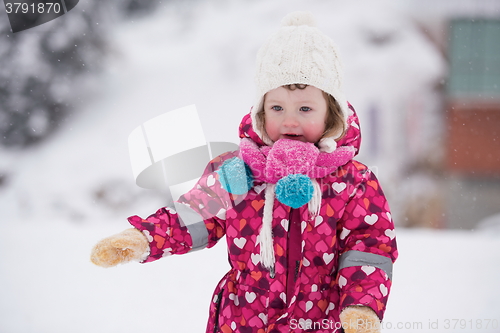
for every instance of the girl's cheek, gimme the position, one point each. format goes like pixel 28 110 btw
pixel 269 129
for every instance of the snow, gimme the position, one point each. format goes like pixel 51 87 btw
pixel 63 196
pixel 445 275
pixel 48 284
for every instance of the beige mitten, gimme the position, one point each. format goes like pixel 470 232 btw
pixel 359 319
pixel 129 245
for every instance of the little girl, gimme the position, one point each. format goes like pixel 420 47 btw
pixel 310 237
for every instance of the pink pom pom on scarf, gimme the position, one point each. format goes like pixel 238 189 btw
pixel 285 157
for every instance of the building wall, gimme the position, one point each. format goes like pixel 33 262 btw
pixel 473 143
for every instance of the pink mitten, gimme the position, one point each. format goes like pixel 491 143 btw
pixel 359 319
pixel 129 245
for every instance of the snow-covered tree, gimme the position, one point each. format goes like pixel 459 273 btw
pixel 40 68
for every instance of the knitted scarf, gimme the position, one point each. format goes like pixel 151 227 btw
pixel 290 169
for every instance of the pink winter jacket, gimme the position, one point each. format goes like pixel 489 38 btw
pixel 342 257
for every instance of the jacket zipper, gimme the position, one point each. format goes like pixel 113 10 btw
pixel 293 252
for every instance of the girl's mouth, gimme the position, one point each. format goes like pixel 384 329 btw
pixel 292 136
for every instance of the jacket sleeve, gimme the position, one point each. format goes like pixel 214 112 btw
pixel 197 221
pixel 367 245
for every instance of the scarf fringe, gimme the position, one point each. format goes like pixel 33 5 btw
pixel 266 232
pixel 314 204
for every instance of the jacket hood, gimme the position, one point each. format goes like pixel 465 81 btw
pixel 352 137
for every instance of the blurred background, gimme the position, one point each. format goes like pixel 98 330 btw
pixel 424 77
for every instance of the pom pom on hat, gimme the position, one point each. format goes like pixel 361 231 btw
pixel 298 19
pixel 235 176
pixel 327 144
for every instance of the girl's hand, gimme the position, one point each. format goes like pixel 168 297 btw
pixel 359 319
pixel 129 245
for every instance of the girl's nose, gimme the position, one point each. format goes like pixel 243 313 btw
pixel 290 120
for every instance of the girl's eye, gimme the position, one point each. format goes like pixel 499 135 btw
pixel 305 108
pixel 277 108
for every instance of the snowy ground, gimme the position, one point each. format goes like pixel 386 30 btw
pixel 53 211
pixel 48 284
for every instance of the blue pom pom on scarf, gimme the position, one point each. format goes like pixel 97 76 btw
pixel 294 190
pixel 235 176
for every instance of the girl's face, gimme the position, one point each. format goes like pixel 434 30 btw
pixel 298 114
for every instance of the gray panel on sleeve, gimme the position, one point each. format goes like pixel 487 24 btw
pixel 195 224
pixel 359 258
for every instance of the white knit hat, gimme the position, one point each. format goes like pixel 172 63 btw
pixel 298 53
